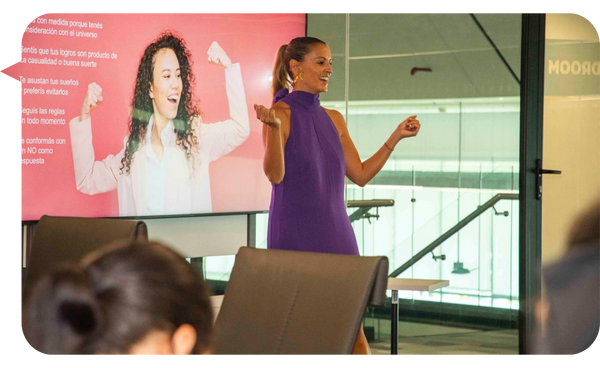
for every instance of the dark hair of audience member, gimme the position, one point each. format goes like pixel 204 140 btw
pixel 115 298
pixel 586 227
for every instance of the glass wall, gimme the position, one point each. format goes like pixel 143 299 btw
pixel 460 74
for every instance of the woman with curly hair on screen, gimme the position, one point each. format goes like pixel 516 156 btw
pixel 164 165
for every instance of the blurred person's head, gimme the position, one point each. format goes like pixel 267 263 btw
pixel 586 228
pixel 567 312
pixel 126 298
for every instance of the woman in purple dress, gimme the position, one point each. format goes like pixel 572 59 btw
pixel 308 152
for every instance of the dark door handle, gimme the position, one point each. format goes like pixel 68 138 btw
pixel 556 172
pixel 539 172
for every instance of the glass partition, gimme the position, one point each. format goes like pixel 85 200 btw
pixel 460 74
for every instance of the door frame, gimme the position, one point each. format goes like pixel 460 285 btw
pixel 530 208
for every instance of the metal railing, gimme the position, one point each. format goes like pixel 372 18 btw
pixel 461 224
pixel 364 206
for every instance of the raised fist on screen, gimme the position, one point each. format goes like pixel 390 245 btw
pixel 92 98
pixel 216 55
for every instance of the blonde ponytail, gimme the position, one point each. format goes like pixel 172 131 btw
pixel 281 77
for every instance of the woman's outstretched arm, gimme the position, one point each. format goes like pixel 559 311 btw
pixel 360 172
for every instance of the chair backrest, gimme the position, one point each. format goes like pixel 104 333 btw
pixel 287 302
pixel 59 240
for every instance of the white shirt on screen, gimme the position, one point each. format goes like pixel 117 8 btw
pixel 187 181
pixel 156 176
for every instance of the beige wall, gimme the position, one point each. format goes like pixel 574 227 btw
pixel 571 144
pixel 570 27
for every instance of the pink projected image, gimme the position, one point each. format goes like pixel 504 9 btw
pixel 146 115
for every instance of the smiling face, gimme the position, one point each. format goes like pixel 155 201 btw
pixel 316 69
pixel 166 86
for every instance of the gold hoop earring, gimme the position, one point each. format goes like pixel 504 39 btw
pixel 299 75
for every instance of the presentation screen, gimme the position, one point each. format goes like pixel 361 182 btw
pixel 135 115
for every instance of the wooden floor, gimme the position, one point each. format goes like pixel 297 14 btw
pixel 419 338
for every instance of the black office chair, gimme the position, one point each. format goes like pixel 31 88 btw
pixel 59 240
pixel 286 302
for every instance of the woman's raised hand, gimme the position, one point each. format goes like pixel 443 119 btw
pixel 217 56
pixel 267 116
pixel 92 98
pixel 409 127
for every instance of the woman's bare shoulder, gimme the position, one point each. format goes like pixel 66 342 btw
pixel 282 109
pixel 282 106
pixel 334 113
pixel 338 120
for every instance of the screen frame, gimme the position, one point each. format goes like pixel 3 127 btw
pixel 174 216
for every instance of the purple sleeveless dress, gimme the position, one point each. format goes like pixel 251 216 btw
pixel 307 211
